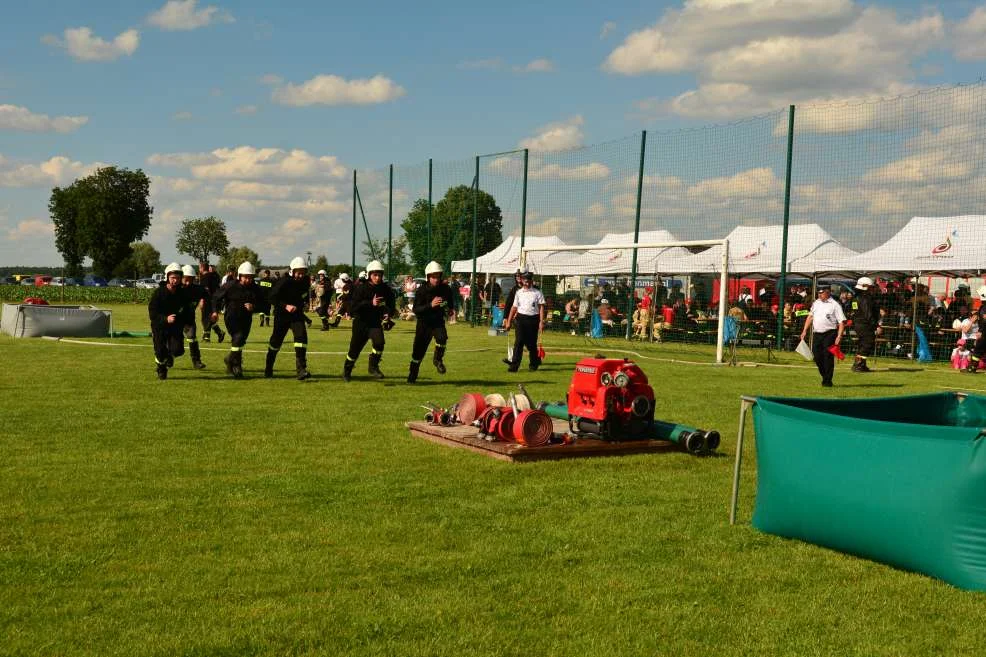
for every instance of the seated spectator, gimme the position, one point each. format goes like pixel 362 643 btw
pixel 641 322
pixel 572 314
pixel 609 315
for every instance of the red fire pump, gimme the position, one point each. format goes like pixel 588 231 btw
pixel 610 398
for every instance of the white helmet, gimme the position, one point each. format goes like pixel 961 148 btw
pixel 982 292
pixel 188 270
pixel 374 265
pixel 173 267
pixel 297 263
pixel 864 283
pixel 246 269
pixel 344 276
pixel 433 268
pixel 322 272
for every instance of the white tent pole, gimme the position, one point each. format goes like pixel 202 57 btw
pixel 723 293
pixel 745 404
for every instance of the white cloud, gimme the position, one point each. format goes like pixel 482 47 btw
pixel 180 160
pixel 82 44
pixel 250 163
pixel 969 36
pixel 755 56
pixel 556 136
pixel 30 229
pixel 246 110
pixel 288 235
pixel 590 171
pixel 491 64
pixel 243 189
pixel 58 170
pixel 183 15
pixel 334 90
pixel 14 117
pixel 182 116
pixel 271 78
pixel 607 29
pixel 536 66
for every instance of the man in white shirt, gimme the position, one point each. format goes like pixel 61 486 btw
pixel 827 321
pixel 528 310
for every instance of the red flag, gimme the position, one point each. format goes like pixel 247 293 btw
pixel 835 351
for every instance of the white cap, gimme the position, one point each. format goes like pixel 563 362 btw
pixel 344 276
pixel 374 265
pixel 298 263
pixel 982 292
pixel 188 270
pixel 433 268
pixel 246 269
pixel 173 267
pixel 864 283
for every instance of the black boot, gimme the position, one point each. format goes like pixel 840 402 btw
pixel 374 366
pixel 437 360
pixel 236 364
pixel 269 365
pixel 347 370
pixel 973 365
pixel 196 354
pixel 228 360
pixel 219 333
pixel 325 323
pixel 162 371
pixel 857 363
pixel 336 320
pixel 301 363
pixel 412 372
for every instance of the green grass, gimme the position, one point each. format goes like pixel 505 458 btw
pixel 206 516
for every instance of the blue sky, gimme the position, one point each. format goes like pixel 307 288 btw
pixel 257 112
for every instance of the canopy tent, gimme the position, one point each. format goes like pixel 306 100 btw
pixel 603 258
pixel 505 258
pixel 952 246
pixel 757 250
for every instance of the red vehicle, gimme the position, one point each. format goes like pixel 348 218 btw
pixel 41 280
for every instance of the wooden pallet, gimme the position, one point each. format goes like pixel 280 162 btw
pixel 467 437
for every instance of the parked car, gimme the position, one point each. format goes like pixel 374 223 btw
pixel 120 282
pixel 94 281
pixel 147 283
pixel 27 281
pixel 41 280
pixel 8 280
pixel 57 281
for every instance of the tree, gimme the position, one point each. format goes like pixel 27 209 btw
pixel 321 263
pixel 451 227
pixel 143 261
pixel 99 216
pixel 201 237
pixel 377 250
pixel 236 256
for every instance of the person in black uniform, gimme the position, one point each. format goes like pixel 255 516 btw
pixel 288 298
pixel 509 303
pixel 433 302
pixel 167 312
pixel 373 303
pixel 979 348
pixel 238 299
pixel 264 284
pixel 209 279
pixel 196 299
pixel 865 319
pixel 323 295
pixel 343 296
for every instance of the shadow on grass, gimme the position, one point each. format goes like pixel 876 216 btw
pixel 869 385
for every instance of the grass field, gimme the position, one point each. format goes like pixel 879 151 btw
pixel 206 516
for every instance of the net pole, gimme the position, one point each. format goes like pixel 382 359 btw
pixel 787 216
pixel 390 226
pixel 354 221
pixel 523 210
pixel 636 231
pixel 475 223
pixel 723 293
pixel 428 250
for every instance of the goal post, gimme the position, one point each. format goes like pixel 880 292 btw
pixel 614 260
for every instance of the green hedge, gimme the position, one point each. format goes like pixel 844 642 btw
pixel 75 295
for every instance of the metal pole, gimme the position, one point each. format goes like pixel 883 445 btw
pixel 723 298
pixel 354 222
pixel 523 206
pixel 914 318
pixel 428 250
pixel 636 231
pixel 787 215
pixel 745 404
pixel 475 231
pixel 390 225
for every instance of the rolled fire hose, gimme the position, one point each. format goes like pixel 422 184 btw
pixel 533 428
pixel 471 406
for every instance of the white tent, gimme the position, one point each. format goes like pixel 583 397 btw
pixel 604 259
pixel 757 250
pixel 505 258
pixel 955 246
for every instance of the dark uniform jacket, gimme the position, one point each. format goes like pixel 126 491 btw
pixel 361 307
pixel 288 291
pixel 433 317
pixel 865 313
pixel 264 287
pixel 510 299
pixel 193 294
pixel 164 303
pixel 233 297
pixel 210 281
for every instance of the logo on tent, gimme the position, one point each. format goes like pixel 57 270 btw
pixel 946 245
pixel 755 253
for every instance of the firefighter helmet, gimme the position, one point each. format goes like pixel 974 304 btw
pixel 362 275
pixel 433 268
pixel 173 267
pixel 188 270
pixel 982 292
pixel 344 276
pixel 322 272
pixel 246 269
pixel 374 265
pixel 864 283
pixel 298 263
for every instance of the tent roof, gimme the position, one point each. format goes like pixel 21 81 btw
pixel 505 258
pixel 608 260
pixel 931 245
pixel 757 250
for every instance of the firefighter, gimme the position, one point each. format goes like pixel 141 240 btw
pixel 344 293
pixel 238 299
pixel 433 302
pixel 288 298
pixel 196 301
pixel 209 279
pixel 323 297
pixel 979 348
pixel 372 305
pixel 865 319
pixel 167 312
pixel 264 285
pixel 528 310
